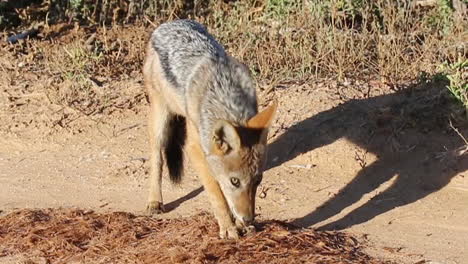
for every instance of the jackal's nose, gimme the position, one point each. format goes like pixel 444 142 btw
pixel 248 220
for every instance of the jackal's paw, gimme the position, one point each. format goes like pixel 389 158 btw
pixel 228 232
pixel 155 207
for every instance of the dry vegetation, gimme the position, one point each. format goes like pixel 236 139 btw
pixel 394 41
pixel 83 53
pixel 65 236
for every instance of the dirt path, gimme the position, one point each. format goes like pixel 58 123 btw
pixel 410 203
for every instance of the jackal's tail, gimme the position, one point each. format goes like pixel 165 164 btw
pixel 174 148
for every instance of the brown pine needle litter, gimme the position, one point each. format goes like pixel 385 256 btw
pixel 81 236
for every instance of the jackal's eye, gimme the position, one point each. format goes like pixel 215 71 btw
pixel 235 181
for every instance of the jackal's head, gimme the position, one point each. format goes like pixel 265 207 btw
pixel 237 157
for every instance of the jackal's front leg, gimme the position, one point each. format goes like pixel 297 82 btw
pixel 227 228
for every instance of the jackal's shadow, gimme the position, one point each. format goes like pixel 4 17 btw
pixel 404 130
pixel 176 203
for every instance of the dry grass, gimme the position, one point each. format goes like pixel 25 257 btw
pixel 92 70
pixel 70 76
pixel 88 71
pixel 77 236
pixel 295 39
pixel 321 39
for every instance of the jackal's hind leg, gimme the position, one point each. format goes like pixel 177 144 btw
pixel 158 125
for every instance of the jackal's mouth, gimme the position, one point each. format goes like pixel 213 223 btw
pixel 245 229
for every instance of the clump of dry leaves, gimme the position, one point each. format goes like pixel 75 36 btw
pixel 73 235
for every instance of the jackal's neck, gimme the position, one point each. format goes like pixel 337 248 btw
pixel 229 94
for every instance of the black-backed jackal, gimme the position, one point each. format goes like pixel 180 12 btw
pixel 201 95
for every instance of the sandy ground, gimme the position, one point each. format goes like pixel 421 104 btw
pixel 366 165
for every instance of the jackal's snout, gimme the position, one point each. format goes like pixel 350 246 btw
pixel 244 206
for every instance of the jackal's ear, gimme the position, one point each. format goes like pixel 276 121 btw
pixel 225 138
pixel 263 119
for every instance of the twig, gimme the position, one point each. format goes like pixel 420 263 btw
pixel 458 152
pixel 461 150
pixel 149 21
pixel 118 133
pixel 458 132
pixel 69 53
pixel 323 188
